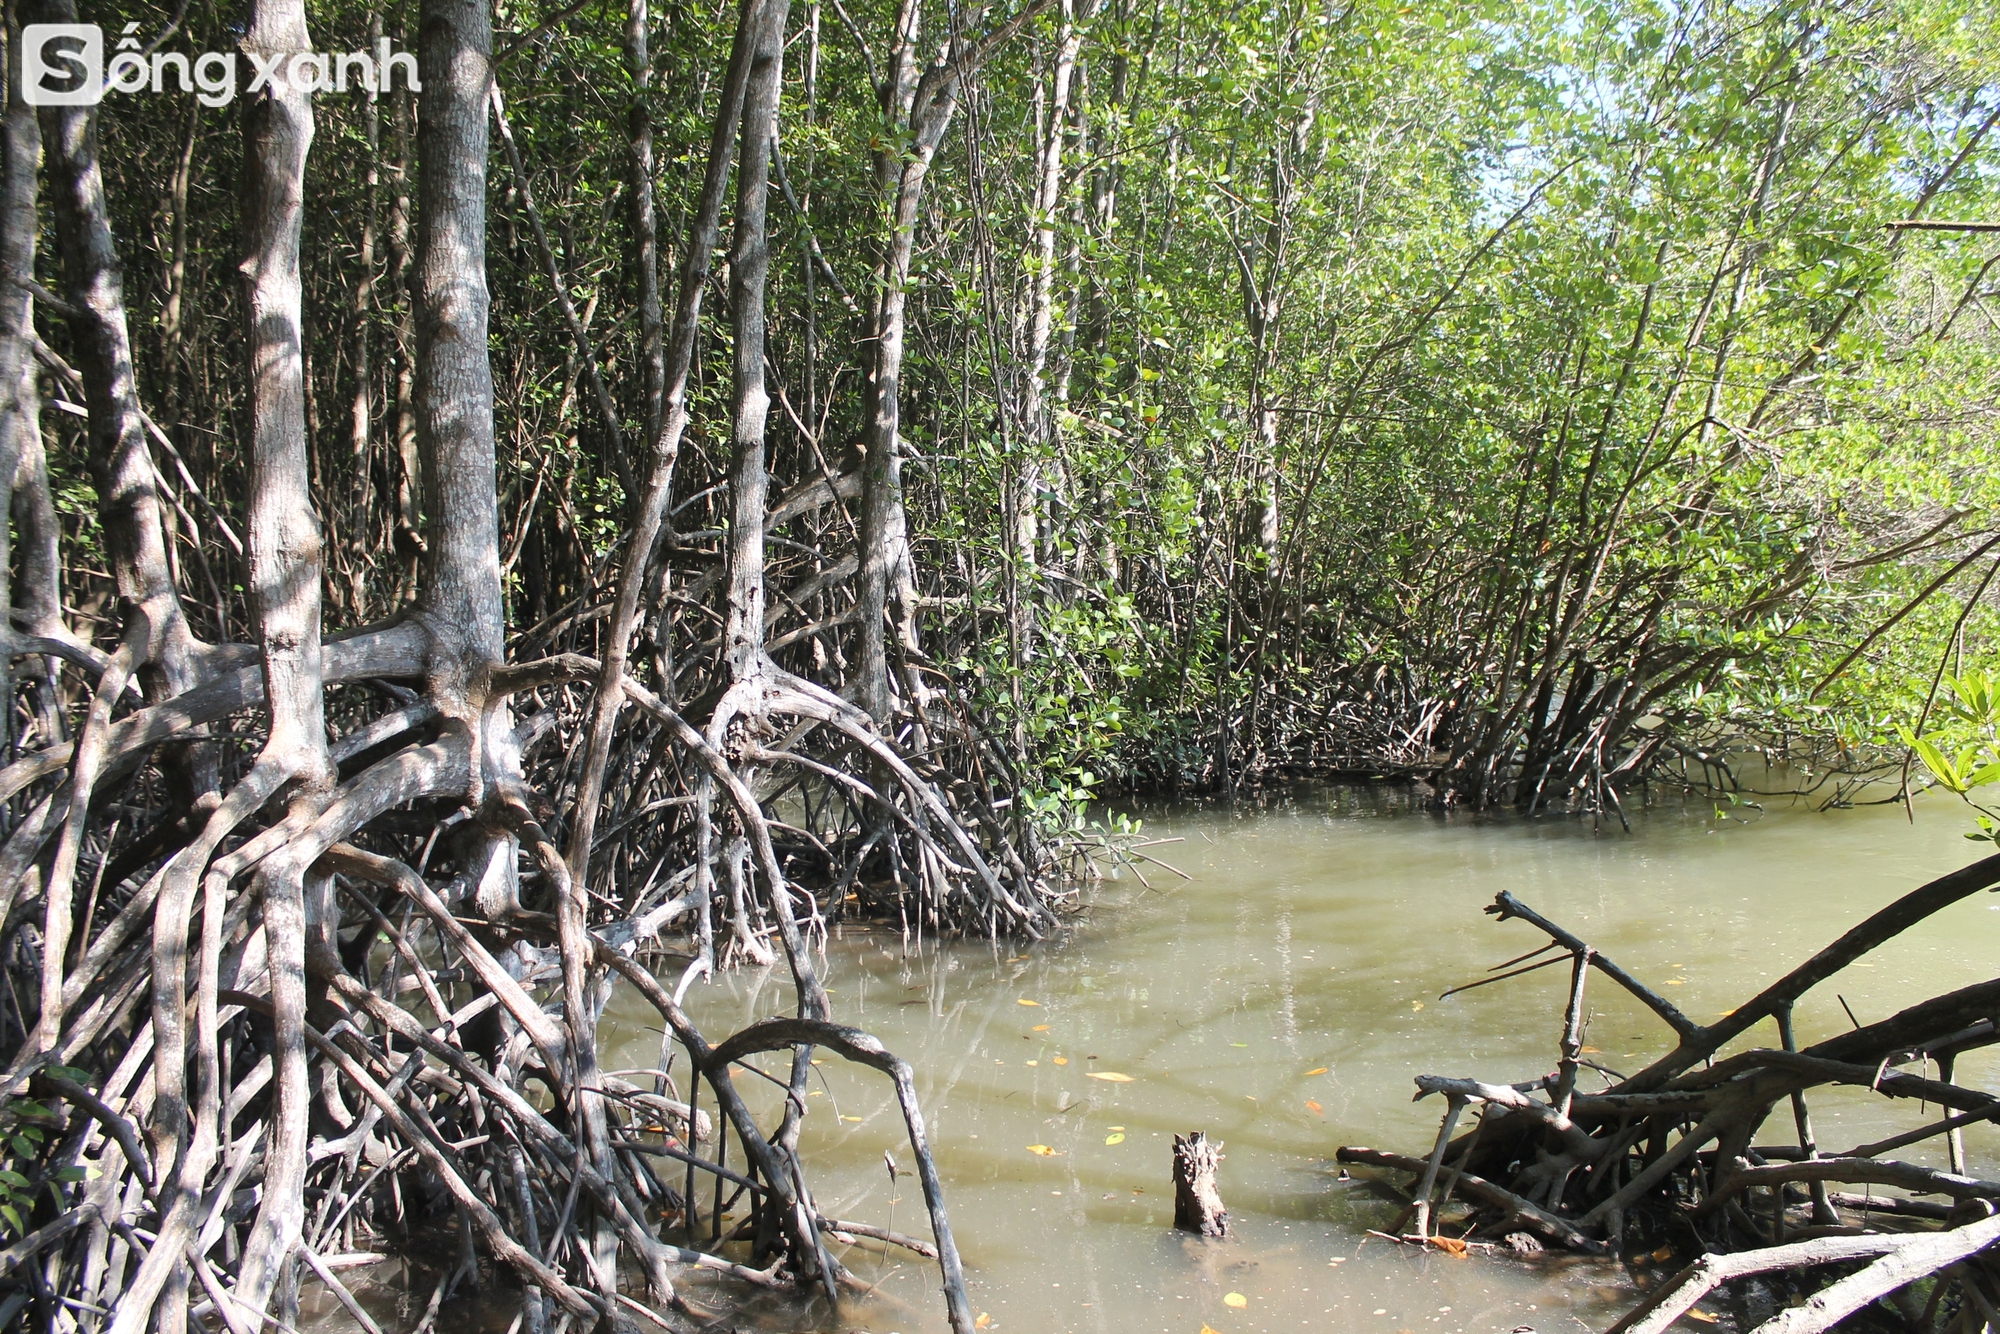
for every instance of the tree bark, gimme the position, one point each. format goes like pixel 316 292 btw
pixel 645 231
pixel 120 461
pixel 461 601
pixel 284 595
pixel 20 393
pixel 284 539
pixel 749 270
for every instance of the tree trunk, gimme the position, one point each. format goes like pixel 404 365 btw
pixel 645 234
pixel 1197 1202
pixel 120 461
pixel 284 534
pixel 284 596
pixel 899 175
pixel 749 270
pixel 20 392
pixel 461 602
pixel 361 412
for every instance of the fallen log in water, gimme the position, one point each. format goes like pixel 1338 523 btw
pixel 1671 1151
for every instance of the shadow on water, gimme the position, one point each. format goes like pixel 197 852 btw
pixel 1281 998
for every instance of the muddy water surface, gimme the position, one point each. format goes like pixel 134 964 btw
pixel 1281 999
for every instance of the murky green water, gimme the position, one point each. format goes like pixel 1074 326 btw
pixel 1281 999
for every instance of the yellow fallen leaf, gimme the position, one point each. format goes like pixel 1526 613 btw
pixel 1322 1070
pixel 1118 1127
pixel 1235 1299
pixel 1038 1028
pixel 850 1118
pixel 1044 1151
pixel 1062 1060
pixel 1591 1051
pixel 1034 1062
pixel 1416 1005
pixel 1313 1107
pixel 1114 1139
pixel 983 1321
pixel 1110 1076
pixel 1702 1316
pixel 1025 1001
pixel 1677 982
pixel 1206 1330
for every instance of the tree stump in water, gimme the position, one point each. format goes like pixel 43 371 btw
pixel 1197 1203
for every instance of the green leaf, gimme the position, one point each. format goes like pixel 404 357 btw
pixel 1934 760
pixel 1983 775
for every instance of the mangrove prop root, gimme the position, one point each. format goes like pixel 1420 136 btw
pixel 1675 1144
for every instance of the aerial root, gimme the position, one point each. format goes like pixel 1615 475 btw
pixel 332 1079
pixel 1656 1156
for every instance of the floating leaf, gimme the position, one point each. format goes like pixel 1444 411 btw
pixel 1313 1107
pixel 1114 1139
pixel 1239 1044
pixel 1038 1028
pixel 1676 981
pixel 1591 1051
pixel 1025 1001
pixel 1044 1151
pixel 1416 1005
pixel 1206 1330
pixel 1702 1316
pixel 1322 1070
pixel 983 1321
pixel 1450 1246
pixel 850 1118
pixel 1235 1299
pixel 1110 1076
pixel 1062 1060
